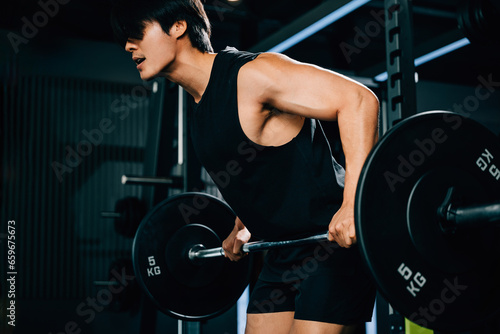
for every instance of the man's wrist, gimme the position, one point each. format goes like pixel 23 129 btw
pixel 349 197
pixel 347 204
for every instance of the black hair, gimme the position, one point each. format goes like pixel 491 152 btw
pixel 129 18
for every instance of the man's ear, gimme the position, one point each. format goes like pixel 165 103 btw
pixel 178 29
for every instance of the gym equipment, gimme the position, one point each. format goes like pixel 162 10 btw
pixel 434 270
pixel 422 188
pixel 160 252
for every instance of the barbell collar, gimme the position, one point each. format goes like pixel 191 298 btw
pixel 199 252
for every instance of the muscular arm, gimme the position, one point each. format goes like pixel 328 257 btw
pixel 309 91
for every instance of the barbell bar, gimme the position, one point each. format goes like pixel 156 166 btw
pixel 199 251
pixel 453 217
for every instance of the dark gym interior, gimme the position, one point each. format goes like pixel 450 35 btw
pixel 76 117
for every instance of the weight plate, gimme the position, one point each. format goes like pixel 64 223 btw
pixel 185 290
pixel 437 281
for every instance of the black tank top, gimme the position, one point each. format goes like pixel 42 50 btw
pixel 278 192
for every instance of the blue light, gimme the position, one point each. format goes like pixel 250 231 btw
pixel 381 77
pixel 432 55
pixel 441 51
pixel 318 25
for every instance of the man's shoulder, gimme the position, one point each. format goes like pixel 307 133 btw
pixel 266 66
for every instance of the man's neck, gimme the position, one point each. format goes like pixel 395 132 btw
pixel 192 70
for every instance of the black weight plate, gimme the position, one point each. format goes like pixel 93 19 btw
pixel 405 175
pixel 197 298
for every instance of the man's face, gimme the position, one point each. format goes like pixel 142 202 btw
pixel 155 52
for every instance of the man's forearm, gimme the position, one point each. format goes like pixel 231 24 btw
pixel 358 128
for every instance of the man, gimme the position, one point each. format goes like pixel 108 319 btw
pixel 254 129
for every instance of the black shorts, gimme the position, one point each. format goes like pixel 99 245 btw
pixel 322 283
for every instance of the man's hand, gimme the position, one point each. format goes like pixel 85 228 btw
pixel 232 245
pixel 341 228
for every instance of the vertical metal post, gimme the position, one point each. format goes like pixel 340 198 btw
pixel 182 137
pixel 388 320
pixel 188 327
pixel 401 88
pixel 152 149
pixel 155 116
pixel 184 327
pixel 180 126
pixel 401 103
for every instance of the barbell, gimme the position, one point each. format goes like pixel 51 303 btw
pixel 427 222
